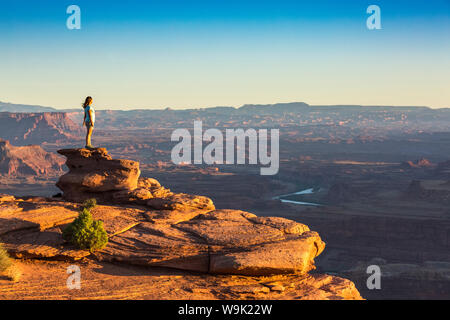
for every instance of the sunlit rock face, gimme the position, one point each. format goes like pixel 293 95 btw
pixel 28 161
pixel 150 226
pixel 94 172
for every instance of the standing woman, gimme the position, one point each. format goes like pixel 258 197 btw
pixel 89 120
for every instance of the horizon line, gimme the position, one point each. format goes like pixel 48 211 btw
pixel 62 109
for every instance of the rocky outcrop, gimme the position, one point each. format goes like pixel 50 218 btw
pixel 94 174
pixel 124 282
pixel 217 242
pixel 28 161
pixel 226 242
pixel 163 229
pixel 179 230
pixel 421 163
pixel 6 198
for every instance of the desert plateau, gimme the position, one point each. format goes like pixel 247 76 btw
pixel 357 186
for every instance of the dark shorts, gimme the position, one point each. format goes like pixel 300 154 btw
pixel 88 125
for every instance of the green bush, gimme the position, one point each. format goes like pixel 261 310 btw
pixel 7 266
pixel 90 204
pixel 5 260
pixel 85 232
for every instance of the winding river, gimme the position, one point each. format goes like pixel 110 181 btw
pixel 306 191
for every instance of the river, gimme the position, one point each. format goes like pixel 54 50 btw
pixel 306 191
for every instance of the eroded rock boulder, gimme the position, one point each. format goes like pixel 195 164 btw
pixel 94 173
pixel 181 201
pixel 6 197
pixel 148 183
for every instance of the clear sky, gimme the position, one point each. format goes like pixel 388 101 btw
pixel 204 53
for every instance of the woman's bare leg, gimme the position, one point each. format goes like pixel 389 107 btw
pixel 88 135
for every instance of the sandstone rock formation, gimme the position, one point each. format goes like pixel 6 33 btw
pixel 94 174
pixel 421 163
pixel 158 228
pixel 217 241
pixel 28 161
pixel 47 280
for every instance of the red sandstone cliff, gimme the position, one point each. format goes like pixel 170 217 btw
pixel 36 128
pixel 28 161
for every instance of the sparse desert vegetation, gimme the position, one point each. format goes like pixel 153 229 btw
pixel 7 266
pixel 85 232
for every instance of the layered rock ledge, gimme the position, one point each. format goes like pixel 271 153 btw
pixel 148 225
pixel 94 174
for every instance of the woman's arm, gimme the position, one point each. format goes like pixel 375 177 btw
pixel 90 117
pixel 84 119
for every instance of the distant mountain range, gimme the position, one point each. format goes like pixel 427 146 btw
pixel 10 107
pixel 247 108
pixel 26 124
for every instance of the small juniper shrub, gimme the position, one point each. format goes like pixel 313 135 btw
pixel 90 204
pixel 5 260
pixel 7 266
pixel 85 232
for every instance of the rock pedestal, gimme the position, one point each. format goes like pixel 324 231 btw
pixel 94 174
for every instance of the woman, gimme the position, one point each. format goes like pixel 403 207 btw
pixel 89 120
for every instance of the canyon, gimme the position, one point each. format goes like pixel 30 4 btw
pixel 380 175
pixel 34 128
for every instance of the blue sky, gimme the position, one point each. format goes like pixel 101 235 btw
pixel 179 54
